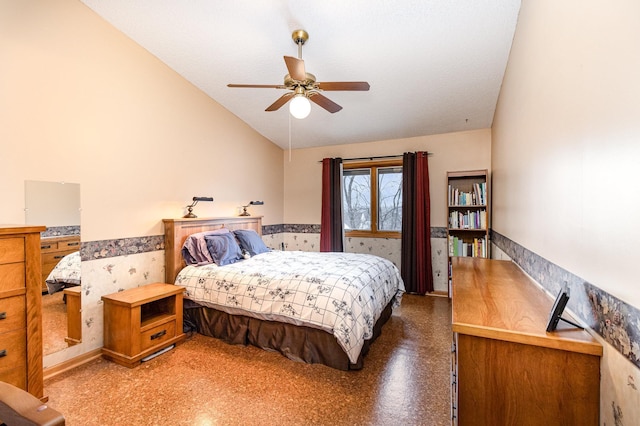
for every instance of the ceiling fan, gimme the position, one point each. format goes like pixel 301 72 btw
pixel 303 86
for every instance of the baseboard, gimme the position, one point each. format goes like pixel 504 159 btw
pixel 69 364
pixel 438 294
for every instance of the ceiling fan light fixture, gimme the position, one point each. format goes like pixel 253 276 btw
pixel 300 107
pixel 302 86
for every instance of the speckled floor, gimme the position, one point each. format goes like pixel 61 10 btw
pixel 405 381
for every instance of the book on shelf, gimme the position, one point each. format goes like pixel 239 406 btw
pixel 468 220
pixel 477 197
pixel 472 248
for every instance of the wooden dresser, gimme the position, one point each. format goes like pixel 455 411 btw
pixel 21 308
pixel 506 369
pixel 53 249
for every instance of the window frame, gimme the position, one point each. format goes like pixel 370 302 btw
pixel 373 166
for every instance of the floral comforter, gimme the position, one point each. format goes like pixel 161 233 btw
pixel 342 293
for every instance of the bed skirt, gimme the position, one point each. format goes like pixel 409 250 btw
pixel 298 343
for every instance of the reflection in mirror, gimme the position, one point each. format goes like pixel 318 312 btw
pixel 57 206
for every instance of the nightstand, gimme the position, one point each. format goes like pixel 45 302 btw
pixel 73 297
pixel 141 321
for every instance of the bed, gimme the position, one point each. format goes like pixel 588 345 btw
pixel 311 307
pixel 65 274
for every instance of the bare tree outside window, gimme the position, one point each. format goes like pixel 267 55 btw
pixel 372 200
pixel 390 199
pixel 357 199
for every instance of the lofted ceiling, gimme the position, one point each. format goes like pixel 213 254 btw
pixel 434 66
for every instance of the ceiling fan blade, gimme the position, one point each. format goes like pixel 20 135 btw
pixel 259 86
pixel 344 85
pixel 281 101
pixel 324 102
pixel 296 68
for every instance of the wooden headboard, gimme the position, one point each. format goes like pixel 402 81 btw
pixel 176 232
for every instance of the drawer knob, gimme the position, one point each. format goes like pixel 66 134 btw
pixel 158 335
pixel 45 247
pixel 3 353
pixel 73 244
pixel 3 315
pixel 58 257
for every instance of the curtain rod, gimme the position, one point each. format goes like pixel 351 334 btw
pixel 376 157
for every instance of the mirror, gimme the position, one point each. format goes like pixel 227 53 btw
pixel 57 206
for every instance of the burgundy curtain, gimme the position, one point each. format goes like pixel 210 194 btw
pixel 331 226
pixel 416 269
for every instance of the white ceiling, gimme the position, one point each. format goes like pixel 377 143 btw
pixel 434 66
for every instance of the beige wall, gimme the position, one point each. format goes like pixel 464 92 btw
pixel 468 150
pixel 80 102
pixel 565 156
pixel 566 140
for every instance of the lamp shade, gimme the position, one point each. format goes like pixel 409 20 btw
pixel 300 107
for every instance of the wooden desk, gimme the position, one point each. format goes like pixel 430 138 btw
pixel 506 368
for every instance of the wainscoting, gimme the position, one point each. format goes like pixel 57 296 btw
pixel 111 265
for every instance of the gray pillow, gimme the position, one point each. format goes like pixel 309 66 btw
pixel 195 250
pixel 250 241
pixel 223 249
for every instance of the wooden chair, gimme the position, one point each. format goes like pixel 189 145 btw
pixel 20 408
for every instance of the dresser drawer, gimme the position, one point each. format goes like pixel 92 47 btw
pixel 157 335
pixel 12 314
pixel 11 250
pixel 52 259
pixel 12 276
pixel 13 358
pixel 70 245
pixel 48 246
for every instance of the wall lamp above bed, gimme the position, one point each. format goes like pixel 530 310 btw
pixel 190 214
pixel 251 203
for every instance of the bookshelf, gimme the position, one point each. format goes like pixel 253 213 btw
pixel 468 207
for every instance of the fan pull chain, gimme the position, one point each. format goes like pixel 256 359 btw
pixel 289 115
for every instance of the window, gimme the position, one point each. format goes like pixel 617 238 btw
pixel 372 199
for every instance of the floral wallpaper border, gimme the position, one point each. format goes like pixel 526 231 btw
pixel 91 250
pixel 616 321
pixel 272 229
pixel 436 231
pixel 58 231
pixel 300 228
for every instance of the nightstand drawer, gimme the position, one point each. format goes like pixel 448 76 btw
pixel 157 335
pixel 11 250
pixel 13 356
pixel 12 314
pixel 12 276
